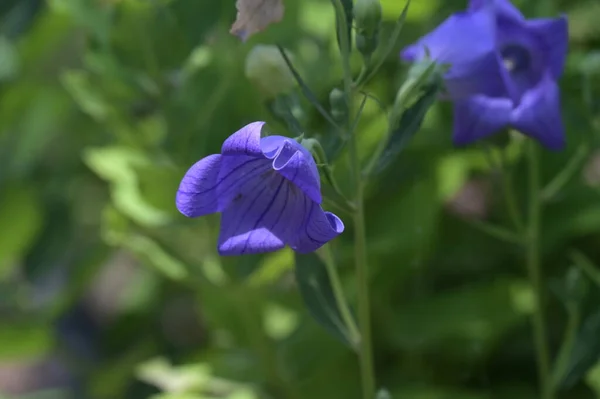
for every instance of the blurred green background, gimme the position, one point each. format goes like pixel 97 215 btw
pixel 106 291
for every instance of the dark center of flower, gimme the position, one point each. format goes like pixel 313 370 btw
pixel 516 58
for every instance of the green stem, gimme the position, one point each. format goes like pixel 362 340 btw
pixel 566 348
pixel 338 292
pixel 497 232
pixel 360 242
pixel 535 274
pixel 566 174
pixel 585 264
pixel 507 188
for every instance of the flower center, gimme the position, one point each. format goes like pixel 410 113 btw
pixel 516 58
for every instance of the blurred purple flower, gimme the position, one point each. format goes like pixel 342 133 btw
pixel 503 70
pixel 267 190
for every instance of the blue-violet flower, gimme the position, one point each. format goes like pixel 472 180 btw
pixel 503 70
pixel 267 190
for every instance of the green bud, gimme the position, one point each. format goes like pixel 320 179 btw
pixel 315 148
pixel 367 16
pixel 338 104
pixel 366 45
pixel 267 70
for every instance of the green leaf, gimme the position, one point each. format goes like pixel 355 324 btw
pixel 475 313
pixel 89 98
pixel 19 209
pixel 348 16
pixel 421 93
pixel 21 340
pixel 160 373
pixel 310 96
pixel 586 351
pixel 315 288
pixel 120 166
pixel 9 61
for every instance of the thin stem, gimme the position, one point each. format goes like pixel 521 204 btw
pixel 338 292
pixel 585 264
pixel 566 348
pixel 496 232
pixel 535 274
pixel 507 188
pixel 566 174
pixel 360 244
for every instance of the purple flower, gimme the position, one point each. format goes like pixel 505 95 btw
pixel 267 190
pixel 503 70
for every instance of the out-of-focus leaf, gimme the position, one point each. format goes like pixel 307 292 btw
pixel 272 267
pixel 9 61
pixel 592 378
pixel 586 351
pixel 24 340
pixel 255 15
pixel 315 288
pixel 118 166
pixel 21 216
pixel 279 322
pixel 481 312
pixel 89 98
pixel 419 10
pixel 117 231
pixel 160 373
pixel 583 20
pixel 91 15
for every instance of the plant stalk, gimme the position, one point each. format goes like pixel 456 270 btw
pixel 535 274
pixel 360 244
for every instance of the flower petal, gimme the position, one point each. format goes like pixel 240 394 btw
pixel 467 42
pixel 197 194
pixel 479 117
pixel 295 163
pixel 553 37
pixel 238 174
pixel 319 228
pixel 245 141
pixel 502 8
pixel 538 115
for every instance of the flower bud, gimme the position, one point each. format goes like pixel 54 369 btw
pixel 267 70
pixel 338 104
pixel 366 45
pixel 367 16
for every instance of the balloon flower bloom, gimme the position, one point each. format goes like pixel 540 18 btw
pixel 267 190
pixel 503 71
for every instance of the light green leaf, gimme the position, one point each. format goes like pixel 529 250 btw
pixel 20 213
pixel 118 166
pixel 24 340
pixel 9 61
pixel 315 288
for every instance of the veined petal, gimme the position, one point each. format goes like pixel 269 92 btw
pixel 197 194
pixel 245 141
pixel 502 8
pixel 260 220
pixel 480 116
pixel 295 163
pixel 538 115
pixel 466 41
pixel 238 174
pixel 319 228
pixel 553 38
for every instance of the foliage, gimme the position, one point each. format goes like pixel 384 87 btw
pixel 104 104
